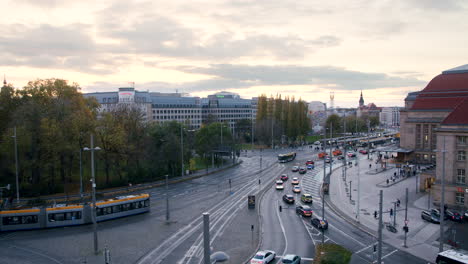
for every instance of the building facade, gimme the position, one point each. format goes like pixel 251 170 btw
pixel 192 111
pixel 390 117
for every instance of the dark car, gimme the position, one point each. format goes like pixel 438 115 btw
pixel 284 177
pixel 328 160
pixel 430 217
pixel 288 198
pixel 436 212
pixel 295 169
pixel 319 223
pixel 302 171
pixel 454 216
pixel 304 210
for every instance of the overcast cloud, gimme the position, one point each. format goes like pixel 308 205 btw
pixel 302 47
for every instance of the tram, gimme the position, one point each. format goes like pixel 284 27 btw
pixel 74 214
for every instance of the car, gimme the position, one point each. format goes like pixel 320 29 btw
pixel 284 177
pixel 295 181
pixel 310 167
pixel 321 155
pixel 309 162
pixel 288 198
pixel 302 170
pixel 328 160
pixel 291 259
pixel 436 212
pixel 306 198
pixel 295 169
pixel 319 223
pixel 340 157
pixel 304 210
pixel 317 143
pixel 279 185
pixel 454 216
pixel 263 257
pixel 466 215
pixel 351 154
pixel 297 189
pixel 430 217
pixel 363 151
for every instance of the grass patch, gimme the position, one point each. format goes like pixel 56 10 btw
pixel 311 139
pixel 331 254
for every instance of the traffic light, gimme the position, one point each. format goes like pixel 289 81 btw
pixel 375 247
pixel 391 211
pixel 406 229
pixel 280 208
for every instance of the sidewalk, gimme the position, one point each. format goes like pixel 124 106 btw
pixel 421 238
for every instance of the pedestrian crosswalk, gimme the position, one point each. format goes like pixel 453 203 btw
pixel 312 183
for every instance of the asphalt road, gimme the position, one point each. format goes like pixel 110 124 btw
pixel 300 237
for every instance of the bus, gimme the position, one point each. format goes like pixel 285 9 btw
pixel 452 256
pixel 282 158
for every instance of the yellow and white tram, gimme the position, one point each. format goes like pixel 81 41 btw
pixel 76 214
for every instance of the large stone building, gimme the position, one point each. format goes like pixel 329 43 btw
pixel 367 110
pixel 434 129
pixel 389 117
pixel 193 111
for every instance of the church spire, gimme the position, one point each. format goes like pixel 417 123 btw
pixel 361 100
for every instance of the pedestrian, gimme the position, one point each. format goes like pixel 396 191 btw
pixel 414 173
pixel 388 181
pixel 394 174
pixel 398 202
pixel 375 214
pixel 370 165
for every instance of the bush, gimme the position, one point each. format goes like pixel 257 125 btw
pixel 332 254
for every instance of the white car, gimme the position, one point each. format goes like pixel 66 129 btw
pixel 295 181
pixel 279 185
pixel 263 257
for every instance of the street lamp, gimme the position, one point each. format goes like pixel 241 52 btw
pixel 16 166
pixel 93 181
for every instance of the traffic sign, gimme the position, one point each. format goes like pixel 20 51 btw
pixel 406 222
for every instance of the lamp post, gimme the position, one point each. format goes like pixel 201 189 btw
pixel 93 181
pixel 81 176
pixel 182 149
pixel 16 166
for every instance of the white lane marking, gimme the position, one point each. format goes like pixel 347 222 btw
pixel 308 231
pixel 335 228
pixel 282 228
pixel 362 249
pixel 301 258
pixel 37 253
pixel 390 253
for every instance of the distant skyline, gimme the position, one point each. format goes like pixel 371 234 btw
pixel 305 49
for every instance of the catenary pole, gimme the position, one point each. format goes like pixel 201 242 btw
pixel 442 201
pixel 379 250
pixel 406 215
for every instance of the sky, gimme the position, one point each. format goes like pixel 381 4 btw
pixel 306 49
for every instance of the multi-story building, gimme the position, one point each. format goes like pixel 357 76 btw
pixel 390 116
pixel 434 128
pixel 193 111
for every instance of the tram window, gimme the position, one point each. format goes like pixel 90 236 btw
pixel 59 217
pixel 99 212
pixel 18 220
pixel 78 215
pixel 108 210
pixel 51 218
pixel 147 203
pixel 132 206
pixel 140 204
pixel 68 216
pixel 116 209
pixel 125 207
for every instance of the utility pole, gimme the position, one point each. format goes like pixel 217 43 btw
pixel 331 156
pixel 406 216
pixel 442 201
pixel 182 148
pixel 379 250
pixel 350 190
pixel 167 198
pixel 222 159
pixel 81 176
pixel 272 131
pixel 93 181
pixel 206 238
pixel 394 213
pixel 252 123
pixel 358 189
pixel 323 182
pixel 368 135
pixel 16 166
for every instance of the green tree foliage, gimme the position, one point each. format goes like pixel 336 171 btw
pixel 281 121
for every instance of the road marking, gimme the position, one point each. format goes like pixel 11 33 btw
pixel 37 253
pixel 362 244
pixel 362 249
pixel 282 228
pixel 308 231
pixel 390 253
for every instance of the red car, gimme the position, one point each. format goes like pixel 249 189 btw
pixel 284 177
pixel 363 151
pixel 309 162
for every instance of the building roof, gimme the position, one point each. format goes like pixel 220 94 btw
pixel 459 115
pixel 444 92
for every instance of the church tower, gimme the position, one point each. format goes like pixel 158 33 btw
pixel 361 100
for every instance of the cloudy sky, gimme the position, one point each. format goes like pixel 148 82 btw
pixel 302 48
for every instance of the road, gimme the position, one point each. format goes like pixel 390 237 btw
pixel 147 238
pixel 300 238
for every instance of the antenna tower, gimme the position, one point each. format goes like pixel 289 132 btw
pixel 332 100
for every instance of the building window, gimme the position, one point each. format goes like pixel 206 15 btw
pixel 461 140
pixel 461 155
pixel 461 176
pixel 460 198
